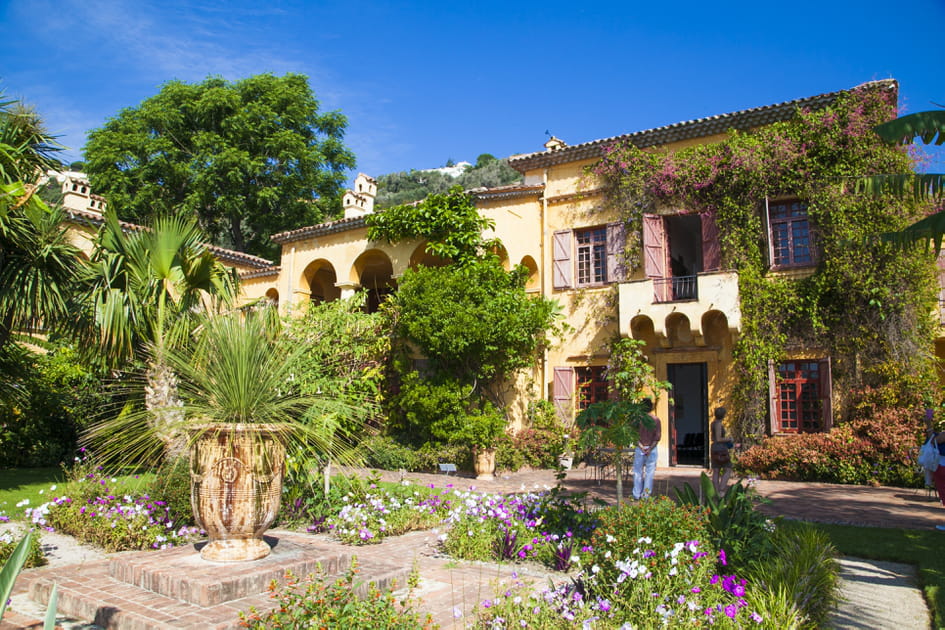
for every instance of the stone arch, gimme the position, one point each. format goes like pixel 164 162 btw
pixel 642 328
pixel 503 254
pixel 272 294
pixel 373 271
pixel 715 329
pixel 534 281
pixel 319 278
pixel 679 330
pixel 420 256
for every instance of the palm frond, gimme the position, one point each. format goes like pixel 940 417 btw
pixel 920 186
pixel 929 126
pixel 927 232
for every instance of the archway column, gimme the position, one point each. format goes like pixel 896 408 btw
pixel 347 288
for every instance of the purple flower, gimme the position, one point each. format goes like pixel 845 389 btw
pixel 722 558
pixel 731 610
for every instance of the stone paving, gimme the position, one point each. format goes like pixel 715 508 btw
pixel 105 591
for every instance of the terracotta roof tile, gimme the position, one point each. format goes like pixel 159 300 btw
pixel 698 128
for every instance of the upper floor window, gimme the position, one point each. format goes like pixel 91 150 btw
pixel 790 234
pixel 591 255
pixel 588 256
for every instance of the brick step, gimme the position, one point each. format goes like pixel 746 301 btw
pixel 173 588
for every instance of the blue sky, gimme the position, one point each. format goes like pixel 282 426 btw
pixel 424 82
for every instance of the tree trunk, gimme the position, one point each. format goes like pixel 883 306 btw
pixel 618 471
pixel 166 408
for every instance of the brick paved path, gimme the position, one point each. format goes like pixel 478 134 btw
pixel 450 590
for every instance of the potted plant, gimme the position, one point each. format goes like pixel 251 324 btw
pixel 481 429
pixel 241 414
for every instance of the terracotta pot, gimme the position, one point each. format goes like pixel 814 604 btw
pixel 484 463
pixel 236 486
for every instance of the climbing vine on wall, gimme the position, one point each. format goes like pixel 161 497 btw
pixel 866 306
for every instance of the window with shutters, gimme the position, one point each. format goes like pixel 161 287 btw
pixel 801 397
pixel 591 385
pixel 591 253
pixel 790 234
pixel 588 257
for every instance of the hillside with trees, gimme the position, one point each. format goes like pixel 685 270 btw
pixel 407 186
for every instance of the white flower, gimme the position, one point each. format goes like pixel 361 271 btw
pixel 23 502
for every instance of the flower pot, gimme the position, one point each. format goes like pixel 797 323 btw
pixel 484 463
pixel 235 487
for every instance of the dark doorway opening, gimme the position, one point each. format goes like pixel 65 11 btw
pixel 689 414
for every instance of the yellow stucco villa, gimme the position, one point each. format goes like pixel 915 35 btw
pixel 680 302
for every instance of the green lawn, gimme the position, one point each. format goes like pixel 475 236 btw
pixel 916 547
pixel 36 485
pixel 25 483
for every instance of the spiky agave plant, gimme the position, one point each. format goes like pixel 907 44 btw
pixel 236 371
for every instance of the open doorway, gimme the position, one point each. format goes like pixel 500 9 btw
pixel 689 414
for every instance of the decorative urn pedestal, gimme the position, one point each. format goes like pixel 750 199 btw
pixel 484 463
pixel 236 487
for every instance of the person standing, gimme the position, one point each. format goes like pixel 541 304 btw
pixel 720 454
pixel 938 477
pixel 644 458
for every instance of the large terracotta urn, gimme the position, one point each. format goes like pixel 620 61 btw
pixel 236 486
pixel 484 463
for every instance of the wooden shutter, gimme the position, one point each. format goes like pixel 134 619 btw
pixel 711 251
pixel 774 423
pixel 616 242
pixel 561 259
pixel 769 237
pixel 826 392
pixel 654 256
pixel 562 393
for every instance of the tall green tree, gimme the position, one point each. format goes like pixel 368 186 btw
pixel 143 292
pixel 37 263
pixel 247 158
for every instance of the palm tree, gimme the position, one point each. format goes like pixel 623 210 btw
pixel 143 291
pixel 37 262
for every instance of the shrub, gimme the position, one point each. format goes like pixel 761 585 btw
pixel 677 588
pixel 879 448
pixel 108 512
pixel 734 524
pixel 805 568
pixel 657 518
pixel 315 602
pixel 388 511
pixel 8 542
pixel 386 453
pixel 431 454
pixel 59 398
pixel 172 484
pixel 543 526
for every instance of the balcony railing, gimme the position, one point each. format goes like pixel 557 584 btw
pixel 675 289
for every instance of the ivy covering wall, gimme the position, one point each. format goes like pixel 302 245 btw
pixel 866 306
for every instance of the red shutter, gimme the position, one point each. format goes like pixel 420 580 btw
pixel 562 393
pixel 654 258
pixel 561 263
pixel 774 423
pixel 826 392
pixel 616 242
pixel 711 252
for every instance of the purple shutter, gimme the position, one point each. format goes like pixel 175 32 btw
pixel 616 242
pixel 561 259
pixel 774 424
pixel 654 258
pixel 711 251
pixel 562 393
pixel 766 219
pixel 826 392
